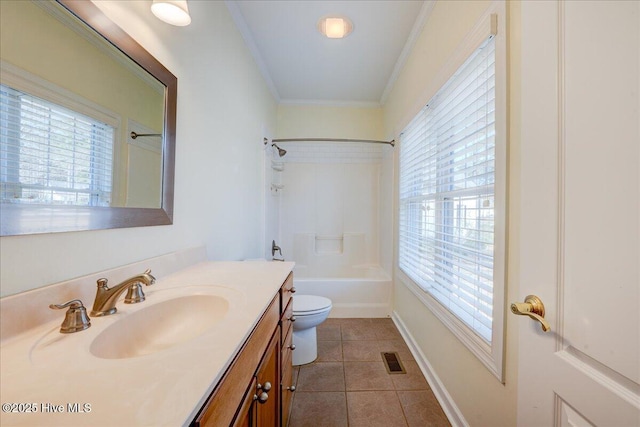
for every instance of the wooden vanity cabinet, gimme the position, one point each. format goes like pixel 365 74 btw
pixel 253 391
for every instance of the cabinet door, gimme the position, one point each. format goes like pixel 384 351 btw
pixel 267 389
pixel 247 414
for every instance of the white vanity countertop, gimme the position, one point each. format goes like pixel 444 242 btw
pixel 47 373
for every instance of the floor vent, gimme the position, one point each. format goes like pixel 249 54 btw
pixel 392 363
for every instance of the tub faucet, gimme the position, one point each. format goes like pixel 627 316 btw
pixel 106 297
pixel 275 248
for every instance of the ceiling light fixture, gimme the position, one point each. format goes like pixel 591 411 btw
pixel 335 27
pixel 174 12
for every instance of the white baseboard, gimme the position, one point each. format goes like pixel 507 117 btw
pixel 449 407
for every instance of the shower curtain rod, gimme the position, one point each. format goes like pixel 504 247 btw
pixel 372 141
pixel 135 135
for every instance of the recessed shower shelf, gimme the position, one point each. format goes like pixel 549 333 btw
pixel 277 166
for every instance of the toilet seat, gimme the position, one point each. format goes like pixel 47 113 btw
pixel 310 304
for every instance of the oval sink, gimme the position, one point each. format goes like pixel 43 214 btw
pixel 160 326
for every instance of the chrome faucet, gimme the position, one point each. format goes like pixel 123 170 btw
pixel 106 297
pixel 275 248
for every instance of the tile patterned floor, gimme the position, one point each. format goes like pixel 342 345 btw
pixel 348 385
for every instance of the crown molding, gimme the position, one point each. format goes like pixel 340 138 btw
pixel 418 25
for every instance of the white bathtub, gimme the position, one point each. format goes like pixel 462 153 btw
pixel 354 291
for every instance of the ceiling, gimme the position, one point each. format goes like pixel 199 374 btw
pixel 301 66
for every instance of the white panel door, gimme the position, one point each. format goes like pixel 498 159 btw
pixel 580 216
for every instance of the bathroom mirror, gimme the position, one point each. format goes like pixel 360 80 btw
pixel 88 123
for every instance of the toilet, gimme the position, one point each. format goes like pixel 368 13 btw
pixel 309 312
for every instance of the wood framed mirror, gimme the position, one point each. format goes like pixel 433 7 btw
pixel 140 189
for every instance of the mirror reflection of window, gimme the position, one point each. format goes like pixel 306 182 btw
pixel 50 154
pixel 47 50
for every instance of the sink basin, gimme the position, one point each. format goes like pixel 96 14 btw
pixel 160 326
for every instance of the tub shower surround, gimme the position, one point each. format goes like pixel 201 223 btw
pixel 329 211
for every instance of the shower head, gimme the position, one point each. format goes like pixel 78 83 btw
pixel 281 152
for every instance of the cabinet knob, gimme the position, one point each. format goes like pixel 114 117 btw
pixel 292 290
pixel 292 388
pixel 263 397
pixel 292 318
pixel 265 387
pixel 292 347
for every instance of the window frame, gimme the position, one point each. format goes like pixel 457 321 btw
pixel 491 355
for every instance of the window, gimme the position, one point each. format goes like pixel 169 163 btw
pixel 51 154
pixel 451 222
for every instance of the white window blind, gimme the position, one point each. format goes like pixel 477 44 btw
pixel 447 196
pixel 50 154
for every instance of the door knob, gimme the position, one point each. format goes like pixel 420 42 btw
pixel 532 307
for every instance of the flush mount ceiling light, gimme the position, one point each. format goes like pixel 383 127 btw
pixel 335 27
pixel 174 12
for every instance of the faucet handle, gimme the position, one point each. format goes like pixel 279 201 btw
pixel 74 303
pixel 152 277
pixel 134 294
pixel 75 318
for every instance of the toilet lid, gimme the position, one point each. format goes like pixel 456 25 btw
pixel 309 303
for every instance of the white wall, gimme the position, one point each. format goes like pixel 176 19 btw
pixel 224 107
pixel 479 396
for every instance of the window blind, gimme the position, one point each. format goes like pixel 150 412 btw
pixel 446 193
pixel 52 155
